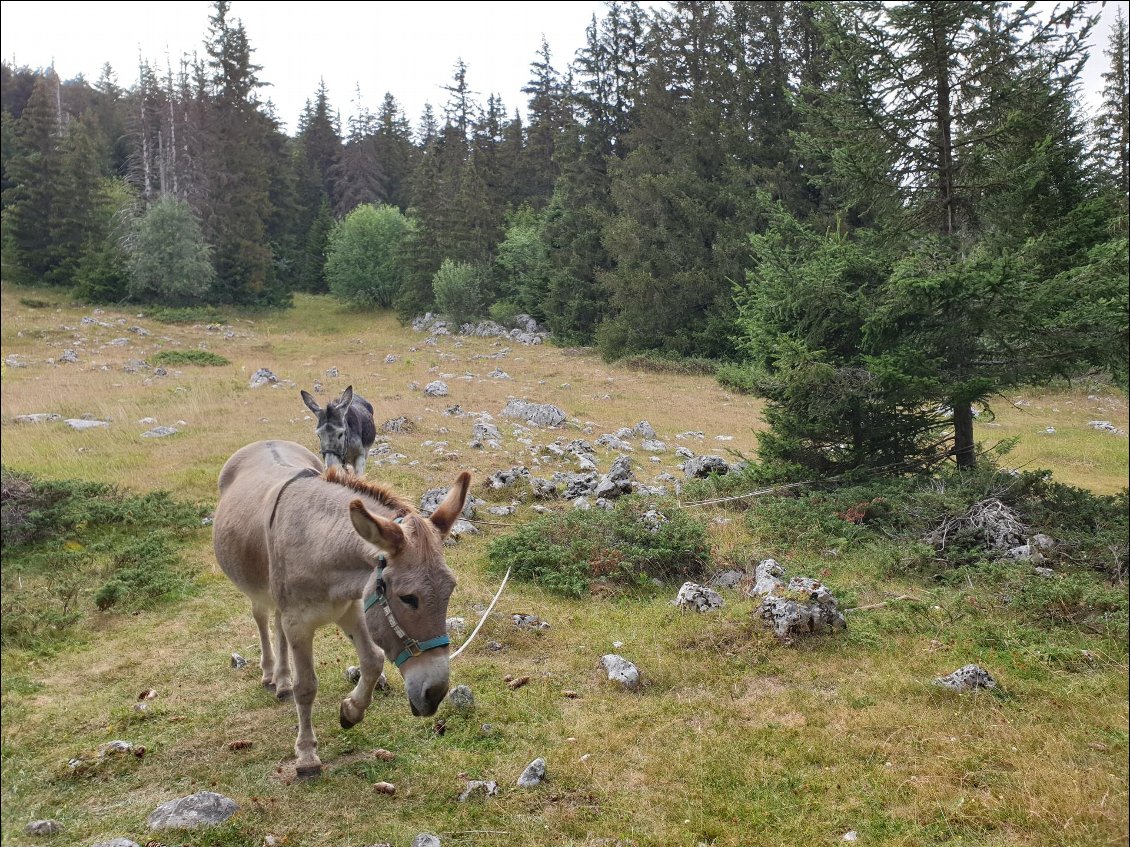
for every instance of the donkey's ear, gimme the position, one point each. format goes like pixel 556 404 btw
pixel 378 531
pixel 310 402
pixel 346 398
pixel 445 516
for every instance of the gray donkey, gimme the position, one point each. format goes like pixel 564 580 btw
pixel 345 429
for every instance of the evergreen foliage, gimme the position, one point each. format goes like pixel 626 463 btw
pixel 168 257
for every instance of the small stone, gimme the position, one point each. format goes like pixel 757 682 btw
pixel 488 788
pixel 238 662
pixel 262 377
pixel 204 808
pixel 850 835
pixel 697 597
pixel 117 842
pixel 38 417
pixel 967 678
pixel 353 674
pixel 533 775
pixel 436 388
pixel 425 839
pixel 78 423
pixel 160 432
pixel 461 697
pixel 44 827
pixel 621 670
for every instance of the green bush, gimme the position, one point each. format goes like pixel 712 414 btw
pixel 186 315
pixel 569 552
pixel 668 363
pixel 458 291
pixel 505 312
pixel 363 265
pixel 737 378
pixel 203 358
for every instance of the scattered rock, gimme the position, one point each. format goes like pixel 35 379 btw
pixel 1047 573
pixel 652 446
pixel 488 788
pixel 204 808
pixel 617 481
pixel 461 697
pixel 238 662
pixel 653 519
pixel 535 414
pixel 523 621
pixel 701 467
pixel 697 597
pixel 400 424
pixel 456 625
pixel 803 607
pixel 44 827
pixel 436 388
pixel 352 674
pixel 80 424
pixel 533 775
pixel 498 373
pixel 850 835
pixel 967 678
pixel 644 430
pixel 390 359
pixel 116 842
pixel 69 356
pixel 425 839
pixel 160 432
pixel 434 496
pixel 612 442
pixel 621 670
pixel 38 417
pixel 263 377
pixel 727 579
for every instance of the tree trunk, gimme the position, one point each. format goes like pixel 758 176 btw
pixel 963 447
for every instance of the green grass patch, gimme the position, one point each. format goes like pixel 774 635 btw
pixel 35 303
pixel 71 547
pixel 172 358
pixel 657 363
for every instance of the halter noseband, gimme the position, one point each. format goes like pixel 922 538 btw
pixel 412 647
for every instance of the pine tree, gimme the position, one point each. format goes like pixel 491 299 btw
pixel 1112 126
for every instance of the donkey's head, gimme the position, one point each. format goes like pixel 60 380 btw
pixel 331 429
pixel 406 597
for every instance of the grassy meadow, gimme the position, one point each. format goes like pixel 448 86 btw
pixel 735 740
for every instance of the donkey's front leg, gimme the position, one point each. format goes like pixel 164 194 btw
pixel 372 660
pixel 301 638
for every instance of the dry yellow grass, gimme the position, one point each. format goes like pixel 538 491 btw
pixel 735 740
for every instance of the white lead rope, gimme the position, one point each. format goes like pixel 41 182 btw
pixel 482 620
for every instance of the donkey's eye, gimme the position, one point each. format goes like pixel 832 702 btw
pixel 410 600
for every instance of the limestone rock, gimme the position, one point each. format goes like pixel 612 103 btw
pixel 204 808
pixel 80 424
pixel 621 670
pixel 535 414
pixel 160 432
pixel 967 678
pixel 38 417
pixel 533 775
pixel 425 839
pixel 263 377
pixel 701 467
pixel 436 388
pixel 44 827
pixel 488 788
pixel 461 697
pixel 698 597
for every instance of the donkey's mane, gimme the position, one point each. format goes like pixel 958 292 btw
pixel 378 492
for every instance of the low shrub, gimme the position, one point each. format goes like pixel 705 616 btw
pixel 737 378
pixel 570 552
pixel 67 544
pixel 187 357
pixel 669 364
pixel 186 315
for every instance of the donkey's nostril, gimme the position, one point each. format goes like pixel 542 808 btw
pixel 435 694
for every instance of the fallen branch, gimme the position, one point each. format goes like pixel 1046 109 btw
pixel 881 605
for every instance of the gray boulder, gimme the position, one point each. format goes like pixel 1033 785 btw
pixel 701 467
pixel 160 432
pixel 698 597
pixel 436 388
pixel 535 414
pixel 461 697
pixel 617 481
pixel 533 775
pixel 434 496
pixel 804 607
pixel 967 678
pixel 612 442
pixel 622 671
pixel 204 808
pixel 80 423
pixel 644 430
pixel 262 377
pixel 44 827
pixel 69 356
pixel 38 417
pixel 426 839
pixel 504 479
pixel 488 788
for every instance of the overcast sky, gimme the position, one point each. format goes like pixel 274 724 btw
pixel 407 48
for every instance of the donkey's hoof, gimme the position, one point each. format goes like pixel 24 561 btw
pixel 284 693
pixel 309 771
pixel 345 722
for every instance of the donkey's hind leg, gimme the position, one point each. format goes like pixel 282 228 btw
pixel 262 615
pixel 372 659
pixel 284 688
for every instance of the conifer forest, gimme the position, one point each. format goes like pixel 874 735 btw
pixel 877 216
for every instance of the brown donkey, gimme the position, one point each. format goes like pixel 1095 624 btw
pixel 322 546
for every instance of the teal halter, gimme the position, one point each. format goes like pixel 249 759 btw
pixel 412 647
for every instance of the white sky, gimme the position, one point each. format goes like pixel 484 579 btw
pixel 407 48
